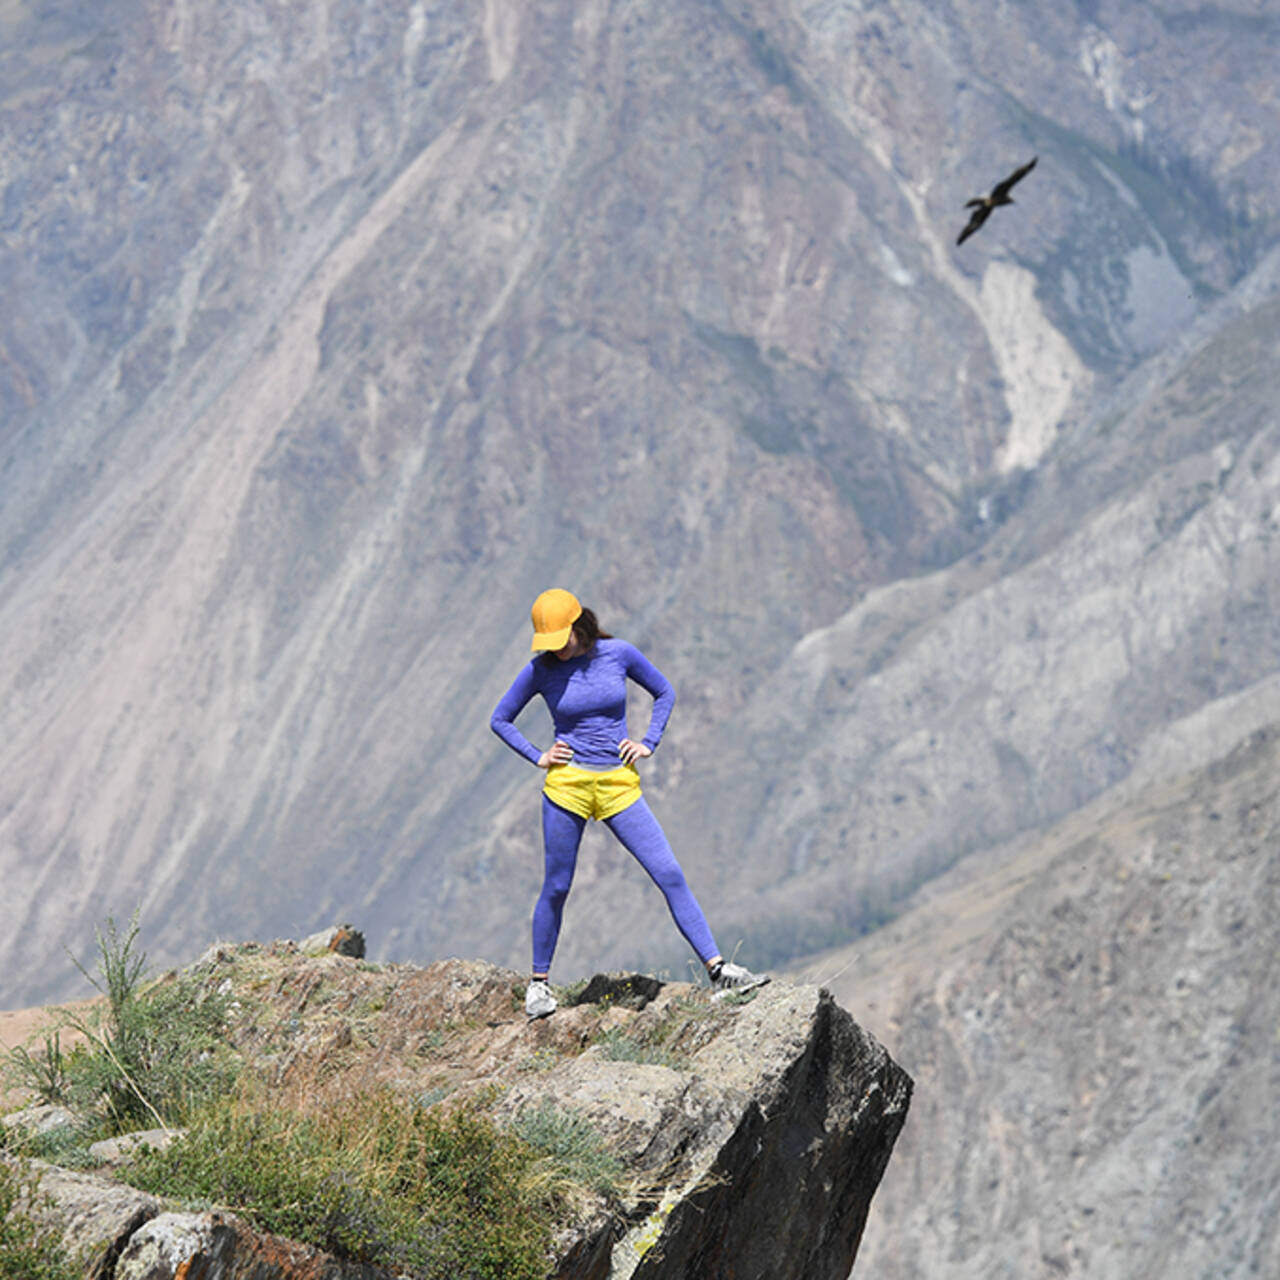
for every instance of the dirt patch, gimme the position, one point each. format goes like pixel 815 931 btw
pixel 17 1026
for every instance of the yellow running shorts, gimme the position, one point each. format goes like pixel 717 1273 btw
pixel 590 794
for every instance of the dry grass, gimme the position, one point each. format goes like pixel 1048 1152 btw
pixel 368 1176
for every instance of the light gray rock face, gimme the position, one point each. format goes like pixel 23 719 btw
pixel 217 1246
pixel 1090 1017
pixel 764 1150
pixel 40 1120
pixel 333 333
pixel 95 1216
pixel 1136 584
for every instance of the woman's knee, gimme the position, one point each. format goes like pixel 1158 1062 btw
pixel 554 892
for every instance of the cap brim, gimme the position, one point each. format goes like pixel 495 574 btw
pixel 552 639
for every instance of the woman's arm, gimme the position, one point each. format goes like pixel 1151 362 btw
pixel 513 702
pixel 649 678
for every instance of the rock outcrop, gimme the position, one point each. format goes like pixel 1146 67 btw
pixel 766 1148
pixel 752 1130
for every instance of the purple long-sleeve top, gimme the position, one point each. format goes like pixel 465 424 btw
pixel 587 697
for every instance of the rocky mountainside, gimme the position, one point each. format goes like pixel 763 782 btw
pixel 749 1133
pixel 334 333
pixel 1091 1017
pixel 1134 591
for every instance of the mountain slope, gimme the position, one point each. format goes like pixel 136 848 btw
pixel 336 333
pixel 1091 1017
pixel 1135 583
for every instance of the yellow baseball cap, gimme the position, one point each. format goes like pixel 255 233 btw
pixel 554 613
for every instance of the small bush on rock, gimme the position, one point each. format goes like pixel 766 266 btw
pixel 43 1073
pixel 374 1178
pixel 617 1046
pixel 154 1053
pixel 571 1156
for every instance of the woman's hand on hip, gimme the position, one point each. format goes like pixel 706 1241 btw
pixel 560 753
pixel 633 751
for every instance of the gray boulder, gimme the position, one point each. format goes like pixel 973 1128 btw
pixel 96 1217
pixel 113 1151
pixel 40 1120
pixel 757 1156
pixel 341 939
pixel 219 1246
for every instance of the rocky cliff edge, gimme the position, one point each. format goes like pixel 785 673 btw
pixel 751 1132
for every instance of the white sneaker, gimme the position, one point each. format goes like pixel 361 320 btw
pixel 733 977
pixel 538 1000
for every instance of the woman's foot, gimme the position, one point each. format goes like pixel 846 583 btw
pixel 538 1000
pixel 727 977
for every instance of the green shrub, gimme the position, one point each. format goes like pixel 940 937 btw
pixel 567 995
pixel 43 1073
pixel 154 1054
pixel 374 1179
pixel 68 1147
pixel 616 1045
pixel 28 1249
pixel 571 1155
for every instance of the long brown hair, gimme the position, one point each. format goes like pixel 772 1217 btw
pixel 587 630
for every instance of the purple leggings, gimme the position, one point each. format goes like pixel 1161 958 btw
pixel 641 835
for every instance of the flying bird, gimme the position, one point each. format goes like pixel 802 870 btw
pixel 982 205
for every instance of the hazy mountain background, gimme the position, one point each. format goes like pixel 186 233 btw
pixel 1091 1016
pixel 333 332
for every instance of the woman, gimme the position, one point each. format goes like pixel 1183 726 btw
pixel 581 673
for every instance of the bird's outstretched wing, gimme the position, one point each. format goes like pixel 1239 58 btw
pixel 980 214
pixel 1000 192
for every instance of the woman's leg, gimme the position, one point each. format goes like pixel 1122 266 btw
pixel 643 837
pixel 561 835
